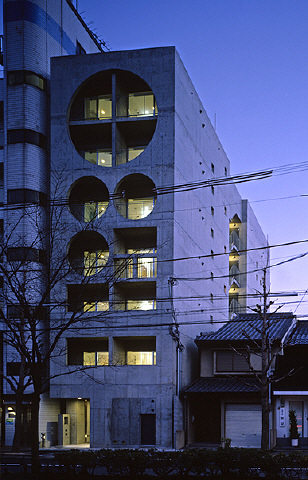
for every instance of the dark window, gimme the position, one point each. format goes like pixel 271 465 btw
pixel 231 361
pixel 25 195
pixel 20 77
pixel 13 369
pixel 26 254
pixel 15 311
pixel 80 50
pixel 26 136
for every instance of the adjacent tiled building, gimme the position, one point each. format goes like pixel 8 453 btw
pixel 225 401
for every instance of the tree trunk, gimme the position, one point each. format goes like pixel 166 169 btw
pixel 19 393
pixel 265 414
pixel 18 422
pixel 35 458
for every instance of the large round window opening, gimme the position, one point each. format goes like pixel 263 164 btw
pixel 135 196
pixel 88 253
pixel 88 199
pixel 118 98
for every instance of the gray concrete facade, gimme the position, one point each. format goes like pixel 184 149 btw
pixel 191 284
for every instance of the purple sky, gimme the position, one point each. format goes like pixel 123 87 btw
pixel 248 60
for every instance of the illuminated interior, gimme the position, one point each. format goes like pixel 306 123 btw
pixel 88 253
pixel 94 261
pixel 88 199
pixel 105 134
pixel 135 197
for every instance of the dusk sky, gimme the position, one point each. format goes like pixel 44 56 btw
pixel 248 60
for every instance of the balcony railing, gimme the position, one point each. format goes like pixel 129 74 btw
pixel 136 267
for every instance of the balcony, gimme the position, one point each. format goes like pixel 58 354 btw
pixel 87 351
pixel 92 298
pixel 136 265
pixel 134 351
pixel 139 296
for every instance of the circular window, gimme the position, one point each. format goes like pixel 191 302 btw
pixel 135 196
pixel 88 253
pixel 114 97
pixel 88 199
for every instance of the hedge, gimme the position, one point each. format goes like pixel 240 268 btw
pixel 225 463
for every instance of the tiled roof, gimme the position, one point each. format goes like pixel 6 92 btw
pixel 249 326
pixel 300 334
pixel 224 385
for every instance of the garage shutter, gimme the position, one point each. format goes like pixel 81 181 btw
pixel 243 425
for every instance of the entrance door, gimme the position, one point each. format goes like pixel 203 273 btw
pixel 298 407
pixel 148 429
pixel 243 425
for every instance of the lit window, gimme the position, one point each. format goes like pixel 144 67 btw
pixel 93 359
pixel 140 304
pixel 139 207
pixel 141 105
pixel 147 267
pixel 98 107
pixel 93 210
pixel 96 306
pixel 140 358
pixel 94 261
pixel 102 157
pixel 124 267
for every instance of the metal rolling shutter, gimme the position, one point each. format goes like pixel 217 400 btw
pixel 243 424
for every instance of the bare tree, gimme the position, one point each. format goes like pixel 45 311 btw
pixel 34 315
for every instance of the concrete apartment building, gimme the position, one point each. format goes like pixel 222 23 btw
pixel 129 139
